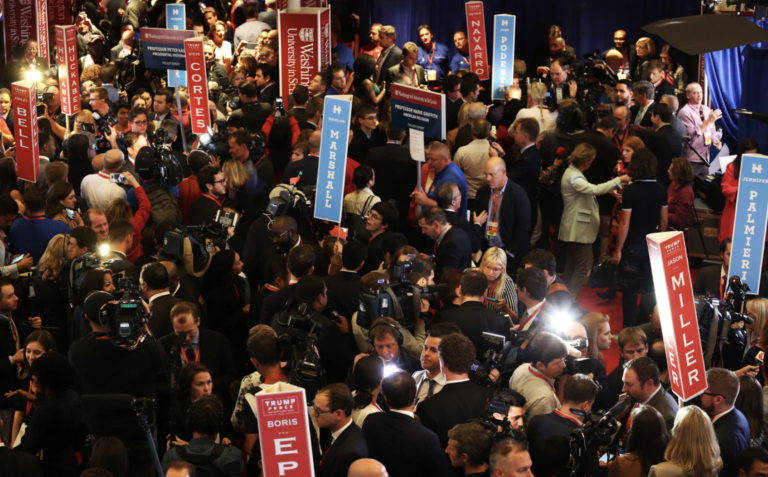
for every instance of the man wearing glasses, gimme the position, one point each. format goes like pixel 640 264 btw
pixel 642 385
pixel 731 427
pixel 214 184
pixel 332 410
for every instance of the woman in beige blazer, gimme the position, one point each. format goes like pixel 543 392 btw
pixel 581 219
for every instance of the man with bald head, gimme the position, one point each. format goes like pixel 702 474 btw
pixel 305 169
pixel 443 170
pixel 674 105
pixel 98 189
pixel 367 468
pixel 626 127
pixel 627 52
pixel 502 214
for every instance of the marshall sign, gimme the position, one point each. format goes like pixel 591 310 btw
pixel 305 39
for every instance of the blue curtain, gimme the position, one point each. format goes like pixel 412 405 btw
pixel 754 95
pixel 724 77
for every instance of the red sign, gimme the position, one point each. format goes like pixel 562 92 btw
pixel 25 116
pixel 59 12
pixel 66 42
pixel 19 23
pixel 197 83
pixel 284 434
pixel 478 49
pixel 43 48
pixel 305 46
pixel 679 325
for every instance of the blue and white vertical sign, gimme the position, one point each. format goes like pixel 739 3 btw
pixel 750 221
pixel 329 199
pixel 503 54
pixel 176 19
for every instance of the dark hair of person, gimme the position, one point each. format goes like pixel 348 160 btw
pixel 119 229
pixel 473 283
pixel 207 176
pixel 645 368
pixel 534 282
pixel 395 134
pixel 338 394
pixel 431 215
pixel 301 259
pixel 682 169
pixel 399 389
pixel 197 160
pixel 450 82
pixel 457 353
pixel 365 69
pixel 441 330
pixel 53 372
pixel 184 383
pixel 648 437
pixel 388 212
pixel 8 206
pixel 148 244
pixel 392 241
pixel 220 271
pixel 93 281
pixel 277 267
pixel 453 279
pixel 264 348
pixel 367 375
pixel 206 415
pixel 34 199
pixel 746 460
pixel 750 403
pixel 362 176
pixel 46 340
pixel 724 244
pixel 748 144
pixel 509 397
pixel 663 112
pixel 472 439
pixel 643 165
pixel 541 259
pixel 110 453
pixel 579 388
pixel 354 254
pixel 99 472
pixel 545 348
pixel 84 236
pixel 308 288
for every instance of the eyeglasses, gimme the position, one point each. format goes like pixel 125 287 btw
pixel 277 236
pixel 220 181
pixel 140 123
pixel 375 217
pixel 318 411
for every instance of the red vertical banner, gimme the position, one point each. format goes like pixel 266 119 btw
pixel 677 310
pixel 197 83
pixel 69 81
pixel 303 51
pixel 478 47
pixel 59 12
pixel 284 434
pixel 19 23
pixel 25 115
pixel 43 46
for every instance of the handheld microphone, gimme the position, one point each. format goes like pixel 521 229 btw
pixel 759 359
pixel 179 342
pixel 618 408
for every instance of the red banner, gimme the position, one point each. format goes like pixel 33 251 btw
pixel 679 324
pixel 43 48
pixel 69 82
pixel 284 434
pixel 478 47
pixel 305 46
pixel 19 23
pixel 59 12
pixel 197 83
pixel 25 116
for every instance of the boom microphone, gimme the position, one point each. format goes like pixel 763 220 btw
pixel 180 340
pixel 618 408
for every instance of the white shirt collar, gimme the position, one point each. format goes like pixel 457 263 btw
pixel 455 382
pixel 335 435
pixel 721 415
pixel 153 297
pixel 527 147
pixel 407 413
pixel 440 238
pixel 176 289
pixel 653 394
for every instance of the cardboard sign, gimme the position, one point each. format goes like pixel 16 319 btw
pixel 284 434
pixel 198 86
pixel 674 295
pixel 416 143
pixel 503 54
pixel 19 23
pixel 164 49
pixel 305 46
pixel 60 12
pixel 414 108
pixel 25 115
pixel 750 221
pixel 478 47
pixel 69 81
pixel 175 19
pixel 329 199
pixel 43 45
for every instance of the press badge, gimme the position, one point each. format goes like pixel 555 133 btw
pixel 493 228
pixel 431 75
pixel 707 138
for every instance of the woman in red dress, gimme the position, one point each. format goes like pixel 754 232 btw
pixel 730 187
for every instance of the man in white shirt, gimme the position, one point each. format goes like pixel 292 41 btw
pixel 98 189
pixel 430 380
pixel 472 157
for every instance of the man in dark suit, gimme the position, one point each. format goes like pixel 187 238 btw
pixel 391 55
pixel 395 172
pixel 633 343
pixel 658 78
pixel 397 440
pixel 266 80
pixel 502 213
pixel 270 15
pixel 301 262
pixel 579 395
pixel 254 111
pixel 714 278
pixel 344 287
pixel 675 122
pixel 731 427
pixel 627 51
pixel 472 317
pixel 12 350
pixel 643 385
pixel 332 410
pixel 363 138
pixel 205 346
pixel 470 90
pixel 211 180
pixel 453 250
pixel 448 198
pixel 643 98
pixel 381 220
pixel 16 463
pixel 154 287
pixel 665 144
pixel 527 167
pixel 408 68
pixel 305 169
pixel 460 399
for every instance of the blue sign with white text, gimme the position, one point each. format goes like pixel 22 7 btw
pixel 750 221
pixel 503 54
pixel 329 199
pixel 175 19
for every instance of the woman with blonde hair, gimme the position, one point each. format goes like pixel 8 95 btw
pixel 463 118
pixel 598 334
pixel 501 288
pixel 537 94
pixel 693 449
pixel 83 117
pixel 51 302
pixel 646 51
pixel 757 333
pixel 235 174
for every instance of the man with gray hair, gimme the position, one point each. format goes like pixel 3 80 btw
pixel 731 427
pixel 510 457
pixel 674 106
pixel 98 189
pixel 477 110
pixel 643 96
pixel 471 158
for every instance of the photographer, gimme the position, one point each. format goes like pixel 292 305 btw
pixel 560 83
pixel 469 447
pixel 538 380
pixel 387 338
pixel 254 111
pixel 104 368
pixel 579 395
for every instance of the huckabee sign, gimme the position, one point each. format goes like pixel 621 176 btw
pixel 679 325
pixel 414 108
pixel 164 49
pixel 478 48
pixel 284 434
pixel 43 46
pixel 25 115
pixel 66 42
pixel 503 54
pixel 305 46
pixel 198 86
pixel 750 221
pixel 329 199
pixel 19 23
pixel 175 19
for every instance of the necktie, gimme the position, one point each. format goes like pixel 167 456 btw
pixel 431 389
pixel 189 352
pixel 640 113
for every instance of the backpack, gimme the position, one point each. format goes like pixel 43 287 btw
pixel 164 205
pixel 204 463
pixel 356 222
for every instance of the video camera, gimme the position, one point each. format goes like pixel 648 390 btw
pixel 712 314
pixel 301 338
pixel 127 317
pixel 574 365
pixel 217 144
pixel 104 125
pixel 401 301
pixel 499 429
pixel 78 268
pixel 192 246
pixel 167 168
pixel 596 432
pixel 493 358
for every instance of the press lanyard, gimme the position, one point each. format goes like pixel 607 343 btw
pixel 184 354
pixel 572 419
pixel 535 373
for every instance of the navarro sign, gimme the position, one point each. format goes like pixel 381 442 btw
pixel 478 48
pixel 305 46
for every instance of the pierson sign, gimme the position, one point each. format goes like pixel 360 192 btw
pixel 478 46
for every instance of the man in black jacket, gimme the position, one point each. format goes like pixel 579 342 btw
pixel 285 237
pixel 212 181
pixel 391 55
pixel 525 170
pixel 155 288
pixel 332 410
pixel 472 317
pixel 305 169
pixel 12 354
pixel 382 219
pixel 344 287
pixel 254 111
pixel 460 399
pixel 503 214
pixel 469 89
pixel 452 250
pixel 665 143
pixel 397 439
pixel 658 78
pixel 714 278
pixel 448 198
pixel 363 138
pixel 301 262
pixel 396 173
pixel 643 98
pixel 731 427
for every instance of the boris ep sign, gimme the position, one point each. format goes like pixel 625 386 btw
pixel 478 47
pixel 503 54
pixel 750 221
pixel 414 108
pixel 284 434
pixel 329 198
pixel 677 310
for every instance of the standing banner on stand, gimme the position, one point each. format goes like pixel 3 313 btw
pixel 478 47
pixel 750 221
pixel 69 80
pixel 200 116
pixel 503 54
pixel 305 46
pixel 24 97
pixel 677 310
pixel 60 12
pixel 284 433
pixel 329 199
pixel 43 44
pixel 165 48
pixel 175 19
pixel 19 24
pixel 414 108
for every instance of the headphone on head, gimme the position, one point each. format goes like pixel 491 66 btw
pixel 398 338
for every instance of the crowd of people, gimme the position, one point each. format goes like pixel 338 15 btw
pixel 180 277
